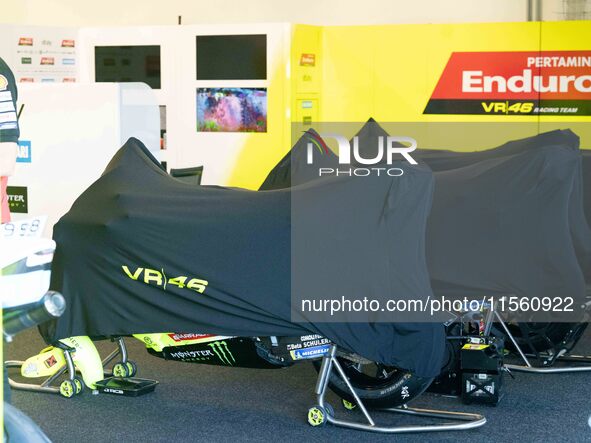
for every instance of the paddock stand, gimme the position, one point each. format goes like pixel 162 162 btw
pixel 559 353
pixel 81 363
pixel 323 413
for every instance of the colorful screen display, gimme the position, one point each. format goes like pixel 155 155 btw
pixel 231 109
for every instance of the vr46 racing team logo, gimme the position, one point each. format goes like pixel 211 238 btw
pixel 514 83
pixel 159 278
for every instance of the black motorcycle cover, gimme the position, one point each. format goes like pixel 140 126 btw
pixel 502 225
pixel 293 170
pixel 141 252
pixel 508 220
pixel 579 198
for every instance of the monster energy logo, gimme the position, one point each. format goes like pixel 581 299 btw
pixel 221 350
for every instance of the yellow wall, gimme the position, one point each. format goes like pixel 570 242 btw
pixel 289 86
pixel 261 152
pixel 389 72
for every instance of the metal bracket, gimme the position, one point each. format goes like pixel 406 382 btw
pixel 330 362
pixel 120 350
pixel 529 368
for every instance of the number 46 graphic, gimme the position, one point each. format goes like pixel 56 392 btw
pixel 153 276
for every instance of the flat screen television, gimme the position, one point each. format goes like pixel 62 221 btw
pixel 128 64
pixel 231 110
pixel 231 57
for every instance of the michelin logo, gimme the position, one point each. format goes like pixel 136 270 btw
pixel 315 352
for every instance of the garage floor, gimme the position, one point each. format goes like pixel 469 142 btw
pixel 201 403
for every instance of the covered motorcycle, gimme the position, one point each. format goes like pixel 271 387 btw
pixel 142 252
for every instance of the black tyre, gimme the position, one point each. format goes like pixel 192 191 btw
pixel 79 385
pixel 378 386
pixel 132 368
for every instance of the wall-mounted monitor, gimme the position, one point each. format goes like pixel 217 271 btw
pixel 231 57
pixel 231 109
pixel 128 64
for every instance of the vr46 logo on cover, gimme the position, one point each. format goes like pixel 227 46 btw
pixel 153 276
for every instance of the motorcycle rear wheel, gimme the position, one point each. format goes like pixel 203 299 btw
pixel 378 386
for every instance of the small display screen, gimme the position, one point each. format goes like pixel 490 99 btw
pixel 126 64
pixel 231 109
pixel 231 57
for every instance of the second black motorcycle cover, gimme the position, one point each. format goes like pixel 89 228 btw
pixel 141 252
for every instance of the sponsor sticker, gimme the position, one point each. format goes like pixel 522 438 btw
pixel 68 61
pixel 26 60
pixel 51 361
pixel 183 337
pixel 308 60
pixel 474 347
pixel 193 355
pixel 69 80
pixel 24 151
pixel 25 41
pixel 514 83
pixel 26 80
pixel 18 199
pixel 47 60
pixel 68 43
pixel 315 352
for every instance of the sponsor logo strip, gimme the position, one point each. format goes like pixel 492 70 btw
pixel 514 83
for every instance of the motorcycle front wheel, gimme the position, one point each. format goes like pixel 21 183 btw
pixel 378 386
